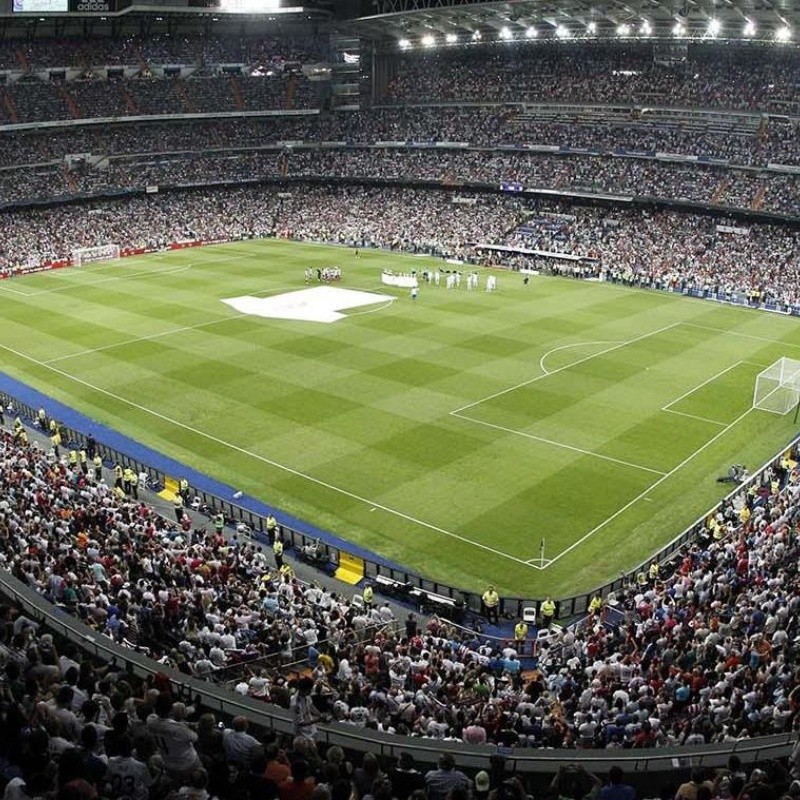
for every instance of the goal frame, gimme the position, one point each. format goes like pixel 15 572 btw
pixel 89 255
pixel 777 388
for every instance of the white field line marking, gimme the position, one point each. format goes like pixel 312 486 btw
pixel 558 444
pixel 694 416
pixel 536 563
pixel 457 411
pixel 567 347
pixel 88 284
pixel 740 334
pixel 700 386
pixel 297 473
pixel 14 291
pixel 650 488
pixel 147 338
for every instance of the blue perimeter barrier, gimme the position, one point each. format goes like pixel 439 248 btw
pixel 165 465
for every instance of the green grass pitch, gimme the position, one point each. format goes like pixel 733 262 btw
pixel 451 434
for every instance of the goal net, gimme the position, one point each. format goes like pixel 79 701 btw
pixel 86 255
pixel 778 387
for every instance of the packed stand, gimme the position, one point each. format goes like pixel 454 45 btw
pixel 757 190
pixel 190 48
pixel 705 653
pixel 743 79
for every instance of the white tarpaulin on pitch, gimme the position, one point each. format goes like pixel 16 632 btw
pixel 320 304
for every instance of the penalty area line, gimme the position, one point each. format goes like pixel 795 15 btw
pixel 561 445
pixel 264 460
pixel 643 495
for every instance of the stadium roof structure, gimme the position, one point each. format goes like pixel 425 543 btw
pixel 451 22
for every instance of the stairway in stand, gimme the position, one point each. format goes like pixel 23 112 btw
pixel 69 102
pixel 758 197
pixel 183 95
pixel 10 107
pixel 290 88
pixel 130 103
pixel 721 191
pixel 236 89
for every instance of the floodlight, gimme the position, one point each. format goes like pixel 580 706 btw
pixel 505 33
pixel 404 44
pixel 428 40
pixel 749 28
pixel 646 28
pixel 591 28
pixel 451 38
pixel 783 34
pixel 714 27
pixel 678 29
pixel 624 29
pixel 250 6
pixel 476 36
pixel 531 33
pixel 562 32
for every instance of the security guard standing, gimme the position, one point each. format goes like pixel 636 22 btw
pixel 127 474
pixel 83 458
pixel 491 603
pixel 368 595
pixel 18 428
pixel 41 416
pixel 277 549
pixel 272 528
pixel 548 610
pixel 97 463
pixel 520 635
pixel 219 523
pixel 177 504
pixel 134 485
pixel 55 440
pixel 653 572
pixel 595 605
pixel 73 458
pixel 184 490
pixel 118 471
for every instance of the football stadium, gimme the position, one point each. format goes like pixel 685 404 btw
pixel 400 399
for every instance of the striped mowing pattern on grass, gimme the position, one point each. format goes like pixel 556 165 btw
pixel 450 434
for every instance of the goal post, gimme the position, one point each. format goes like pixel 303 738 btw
pixel 777 387
pixel 87 255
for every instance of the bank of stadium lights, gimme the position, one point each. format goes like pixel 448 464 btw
pixel 505 34
pixel 783 34
pixel 749 29
pixel 451 38
pixel 678 29
pixel 646 29
pixel 476 36
pixel 591 28
pixel 714 27
pixel 562 32
pixel 428 40
pixel 404 44
pixel 531 32
pixel 624 29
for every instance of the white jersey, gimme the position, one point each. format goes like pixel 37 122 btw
pixel 129 778
pixel 175 742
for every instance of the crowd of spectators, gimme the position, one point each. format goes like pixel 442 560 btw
pixel 38 100
pixel 487 127
pixel 747 79
pixel 705 652
pixel 159 49
pixel 660 249
pixel 696 183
